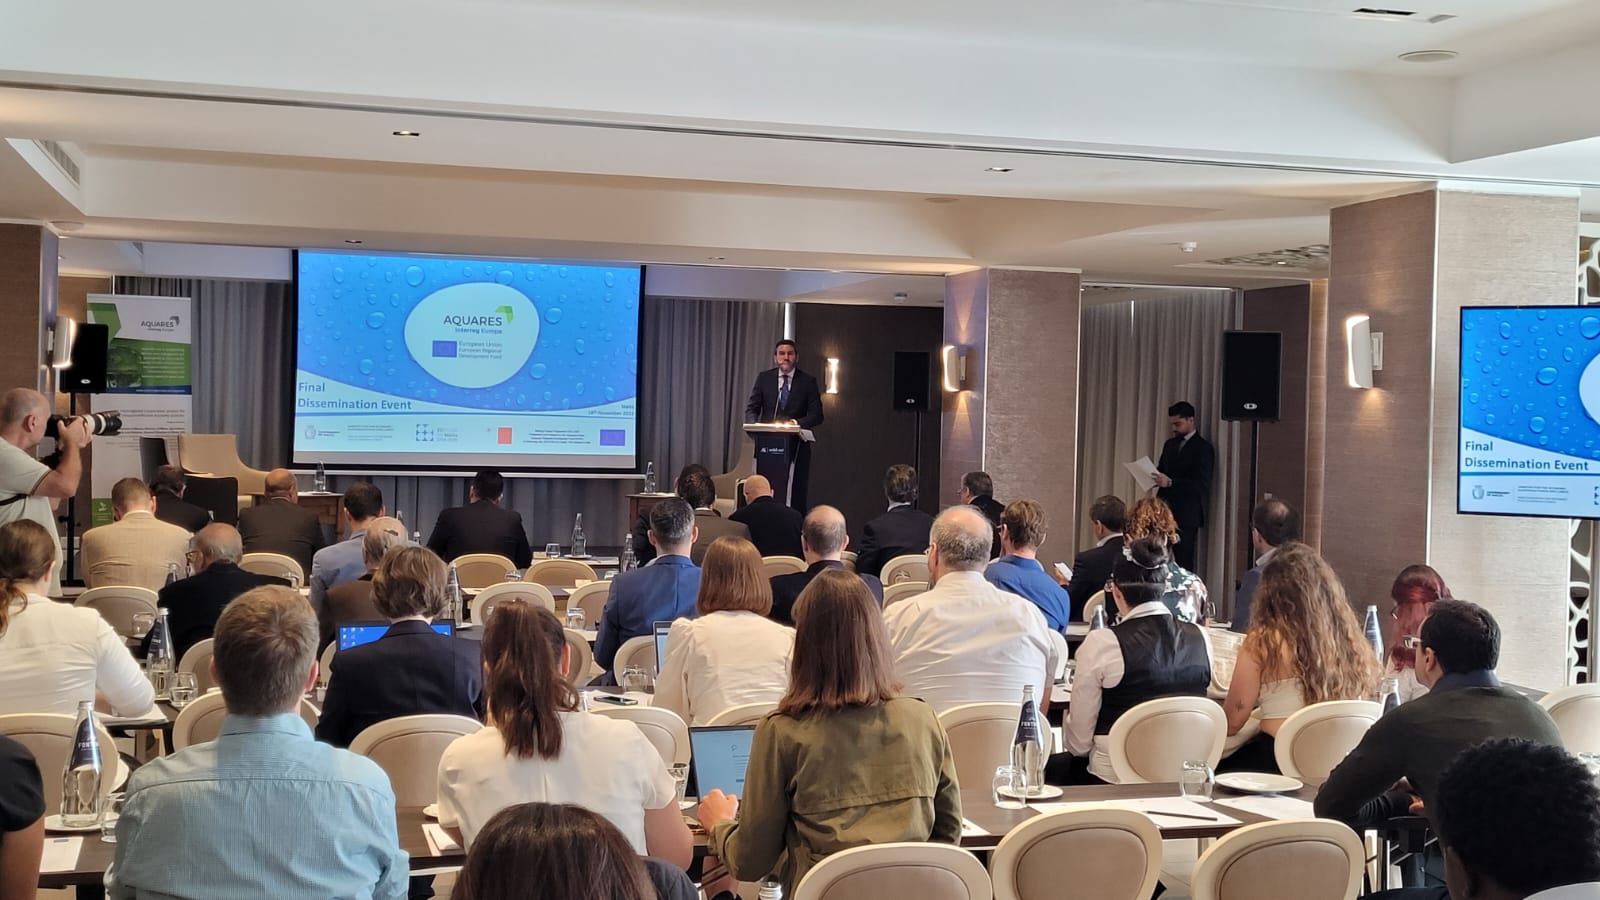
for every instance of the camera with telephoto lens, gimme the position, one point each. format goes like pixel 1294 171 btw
pixel 99 423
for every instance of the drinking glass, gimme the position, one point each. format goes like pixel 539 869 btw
pixel 1011 779
pixel 183 689
pixel 110 810
pixel 680 779
pixel 142 623
pixel 552 551
pixel 636 680
pixel 576 620
pixel 513 575
pixel 1196 779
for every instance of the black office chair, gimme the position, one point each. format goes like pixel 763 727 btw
pixel 152 456
pixel 217 494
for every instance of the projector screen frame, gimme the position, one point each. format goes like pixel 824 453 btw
pixel 412 469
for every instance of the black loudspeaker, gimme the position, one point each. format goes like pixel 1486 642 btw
pixel 1250 366
pixel 911 379
pixel 86 372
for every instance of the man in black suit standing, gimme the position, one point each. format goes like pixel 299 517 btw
pixel 482 526
pixel 825 539
pixel 1187 464
pixel 902 530
pixel 168 487
pixel 774 528
pixel 1092 568
pixel 977 490
pixel 279 524
pixel 194 603
pixel 786 395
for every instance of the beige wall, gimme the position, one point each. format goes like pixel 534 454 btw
pixel 28 255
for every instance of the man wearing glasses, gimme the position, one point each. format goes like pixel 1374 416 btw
pixel 194 603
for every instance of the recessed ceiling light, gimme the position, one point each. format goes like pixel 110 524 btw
pixel 1283 262
pixel 351 241
pixel 1428 56
pixel 1000 169
pixel 408 134
pixel 716 258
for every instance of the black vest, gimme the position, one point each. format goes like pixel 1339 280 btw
pixel 1161 657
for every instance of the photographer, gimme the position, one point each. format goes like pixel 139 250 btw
pixel 29 489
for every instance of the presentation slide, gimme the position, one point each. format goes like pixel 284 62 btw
pixel 438 362
pixel 1530 411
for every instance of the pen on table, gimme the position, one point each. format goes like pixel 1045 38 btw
pixel 1173 815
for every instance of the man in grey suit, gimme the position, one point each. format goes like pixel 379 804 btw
pixel 1273 523
pixel 697 489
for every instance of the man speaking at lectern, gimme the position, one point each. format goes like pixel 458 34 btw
pixel 785 395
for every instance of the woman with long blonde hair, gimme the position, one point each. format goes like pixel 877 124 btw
pixel 1304 646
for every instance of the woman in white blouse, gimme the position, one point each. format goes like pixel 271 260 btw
pixel 540 747
pixel 732 654
pixel 53 655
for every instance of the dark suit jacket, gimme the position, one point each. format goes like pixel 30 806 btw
pixel 712 526
pixel 786 589
pixel 897 532
pixel 805 400
pixel 1090 571
pixel 180 512
pixel 196 602
pixel 412 670
pixel 991 509
pixel 1245 599
pixel 774 527
pixel 1190 465
pixel 279 526
pixel 346 602
pixel 481 527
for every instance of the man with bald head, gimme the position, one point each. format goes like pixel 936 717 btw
pixel 965 640
pixel 823 539
pixel 194 603
pixel 29 489
pixel 774 527
pixel 279 524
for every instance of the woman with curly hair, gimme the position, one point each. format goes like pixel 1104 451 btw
pixel 1415 591
pixel 1186 593
pixel 1304 646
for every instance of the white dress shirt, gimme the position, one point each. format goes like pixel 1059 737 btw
pixel 722 660
pixel 1100 666
pixel 1102 541
pixel 1589 890
pixel 53 655
pixel 967 641
pixel 605 765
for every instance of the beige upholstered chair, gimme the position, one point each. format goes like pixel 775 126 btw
pixel 903 590
pixel 582 659
pixel 781 565
pixel 1150 742
pixel 638 651
pixel 910 567
pixel 744 714
pixel 1063 654
pixel 665 730
pixel 218 454
pixel 980 736
pixel 1095 601
pixel 325 663
pixel 201 720
pixel 49 737
pixel 923 871
pixel 848 557
pixel 528 592
pixel 407 749
pixel 1107 854
pixel 1307 859
pixel 197 660
pixel 475 571
pixel 1318 737
pixel 118 604
pixel 591 598
pixel 275 564
pixel 559 572
pixel 1576 710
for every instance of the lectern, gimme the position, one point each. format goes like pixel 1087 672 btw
pixel 783 457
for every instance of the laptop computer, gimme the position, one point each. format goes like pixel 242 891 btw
pixel 661 629
pixel 719 755
pixel 357 633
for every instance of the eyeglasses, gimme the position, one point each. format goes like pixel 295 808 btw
pixel 1411 642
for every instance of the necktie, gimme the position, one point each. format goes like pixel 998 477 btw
pixel 783 392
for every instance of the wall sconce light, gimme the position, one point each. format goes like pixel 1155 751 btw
pixel 1363 351
pixel 833 375
pixel 955 367
pixel 61 338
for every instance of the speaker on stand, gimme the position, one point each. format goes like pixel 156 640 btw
pixel 1252 363
pixel 84 348
pixel 911 392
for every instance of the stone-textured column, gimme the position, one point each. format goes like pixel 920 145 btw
pixel 28 265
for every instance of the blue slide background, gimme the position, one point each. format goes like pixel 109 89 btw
pixel 1520 369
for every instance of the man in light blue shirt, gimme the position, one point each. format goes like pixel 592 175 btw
pixel 264 810
pixel 659 592
pixel 341 562
pixel 1018 570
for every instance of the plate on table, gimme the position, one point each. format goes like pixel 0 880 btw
pixel 1042 792
pixel 579 556
pixel 431 811
pixel 53 823
pixel 1258 782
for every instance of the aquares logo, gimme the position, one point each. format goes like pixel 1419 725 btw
pixel 503 317
pixel 167 324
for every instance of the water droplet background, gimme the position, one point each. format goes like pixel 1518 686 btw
pixel 1523 390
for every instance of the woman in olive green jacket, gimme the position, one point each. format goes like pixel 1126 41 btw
pixel 844 761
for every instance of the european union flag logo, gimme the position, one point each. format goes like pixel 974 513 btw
pixel 444 349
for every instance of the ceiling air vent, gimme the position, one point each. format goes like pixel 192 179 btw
pixel 62 159
pixel 1386 13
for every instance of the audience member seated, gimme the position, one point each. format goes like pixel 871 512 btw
pixel 977 490
pixel 138 548
pixel 1149 654
pixel 352 601
pixel 965 640
pixel 279 524
pixel 700 492
pixel 21 821
pixel 823 539
pixel 1304 646
pixel 846 760
pixel 482 526
pixel 168 487
pixel 1091 569
pixel 643 550
pixel 901 530
pixel 774 527
pixel 338 563
pixel 550 851
pixel 53 655
pixel 1273 523
pixel 659 592
pixel 539 746
pixel 195 603
pixel 1415 591
pixel 1465 704
pixel 264 810
pixel 1517 820
pixel 1185 593
pixel 731 654
pixel 1022 530
pixel 412 670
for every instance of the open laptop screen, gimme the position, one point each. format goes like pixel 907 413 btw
pixel 357 633
pixel 719 756
pixel 661 643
